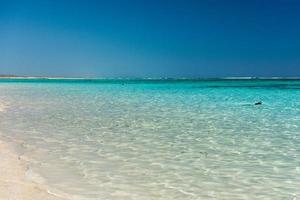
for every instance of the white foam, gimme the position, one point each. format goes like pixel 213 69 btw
pixel 34 177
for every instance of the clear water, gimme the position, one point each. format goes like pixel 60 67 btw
pixel 130 139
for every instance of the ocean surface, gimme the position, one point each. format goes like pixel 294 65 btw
pixel 157 139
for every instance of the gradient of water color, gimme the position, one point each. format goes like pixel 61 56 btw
pixel 146 139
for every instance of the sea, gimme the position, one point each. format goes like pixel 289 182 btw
pixel 157 139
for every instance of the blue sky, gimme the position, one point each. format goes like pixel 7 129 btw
pixel 155 38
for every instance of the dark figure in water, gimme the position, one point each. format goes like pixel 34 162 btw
pixel 258 103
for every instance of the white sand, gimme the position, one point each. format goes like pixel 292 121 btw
pixel 13 182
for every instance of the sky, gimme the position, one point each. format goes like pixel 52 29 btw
pixel 154 38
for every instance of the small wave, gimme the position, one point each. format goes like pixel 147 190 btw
pixel 34 177
pixel 41 182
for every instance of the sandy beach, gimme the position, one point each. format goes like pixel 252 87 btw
pixel 13 182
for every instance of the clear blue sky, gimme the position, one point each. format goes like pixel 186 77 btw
pixel 153 38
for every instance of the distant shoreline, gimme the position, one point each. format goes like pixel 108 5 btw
pixel 154 78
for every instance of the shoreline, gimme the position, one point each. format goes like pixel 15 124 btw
pixel 14 185
pixel 13 182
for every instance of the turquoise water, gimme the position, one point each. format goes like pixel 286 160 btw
pixel 167 139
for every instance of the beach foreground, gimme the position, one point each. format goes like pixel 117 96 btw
pixel 13 182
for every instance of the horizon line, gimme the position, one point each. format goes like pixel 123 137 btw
pixel 150 78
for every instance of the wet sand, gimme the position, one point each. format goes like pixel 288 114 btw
pixel 13 182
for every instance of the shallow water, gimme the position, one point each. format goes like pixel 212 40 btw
pixel 146 139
